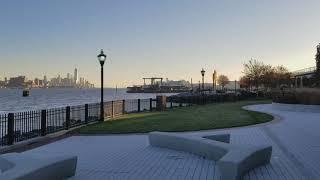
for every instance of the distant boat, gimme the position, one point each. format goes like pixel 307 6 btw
pixel 158 87
pixel 25 92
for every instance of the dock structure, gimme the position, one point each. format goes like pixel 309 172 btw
pixel 153 80
pixel 158 86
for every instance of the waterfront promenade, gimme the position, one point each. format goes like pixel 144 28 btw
pixel 293 135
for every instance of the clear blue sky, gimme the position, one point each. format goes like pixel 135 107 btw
pixel 167 38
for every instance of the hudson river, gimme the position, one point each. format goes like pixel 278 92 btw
pixel 11 100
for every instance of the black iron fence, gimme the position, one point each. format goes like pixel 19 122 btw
pixel 3 129
pixel 212 98
pixel 20 126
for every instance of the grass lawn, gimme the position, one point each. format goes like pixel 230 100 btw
pixel 197 117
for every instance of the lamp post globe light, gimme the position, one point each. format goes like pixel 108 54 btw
pixel 102 58
pixel 202 73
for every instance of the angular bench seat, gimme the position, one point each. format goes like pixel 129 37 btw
pixel 239 161
pixel 233 160
pixel 22 166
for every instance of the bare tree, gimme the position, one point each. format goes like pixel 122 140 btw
pixel 244 82
pixel 223 80
pixel 253 70
pixel 265 75
pixel 281 75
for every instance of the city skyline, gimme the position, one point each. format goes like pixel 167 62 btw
pixel 22 81
pixel 169 39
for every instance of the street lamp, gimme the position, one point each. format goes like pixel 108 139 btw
pixel 214 79
pixel 101 57
pixel 202 73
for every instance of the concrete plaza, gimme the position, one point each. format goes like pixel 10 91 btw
pixel 294 136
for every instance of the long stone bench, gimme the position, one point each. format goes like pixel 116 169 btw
pixel 21 166
pixel 233 160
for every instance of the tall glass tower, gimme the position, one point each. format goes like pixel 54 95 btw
pixel 75 76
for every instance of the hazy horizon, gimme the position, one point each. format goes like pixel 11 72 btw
pixel 145 38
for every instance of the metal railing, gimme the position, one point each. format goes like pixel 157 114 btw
pixel 20 126
pixel 3 129
pixel 53 120
pixel 308 70
pixel 26 125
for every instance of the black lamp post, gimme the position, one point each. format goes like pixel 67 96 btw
pixel 101 57
pixel 202 73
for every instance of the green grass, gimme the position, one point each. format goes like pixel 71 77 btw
pixel 197 117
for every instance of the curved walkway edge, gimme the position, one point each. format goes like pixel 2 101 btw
pixel 279 117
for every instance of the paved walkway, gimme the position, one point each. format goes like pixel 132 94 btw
pixel 296 152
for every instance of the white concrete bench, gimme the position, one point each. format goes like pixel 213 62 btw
pixel 21 166
pixel 233 160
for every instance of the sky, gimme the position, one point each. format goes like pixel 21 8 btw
pixel 173 39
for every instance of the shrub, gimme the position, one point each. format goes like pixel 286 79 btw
pixel 309 96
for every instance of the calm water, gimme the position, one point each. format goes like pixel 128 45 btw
pixel 11 99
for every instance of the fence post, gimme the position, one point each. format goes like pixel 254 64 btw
pixel 86 113
pixel 171 104
pixel 235 90
pixel 43 122
pixel 123 106
pixel 161 103
pixel 68 117
pixel 139 105
pixel 150 104
pixel 112 109
pixel 10 128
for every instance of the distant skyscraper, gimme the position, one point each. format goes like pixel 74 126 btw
pixel 17 81
pixel 59 79
pixel 75 76
pixel 81 81
pixel 45 80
